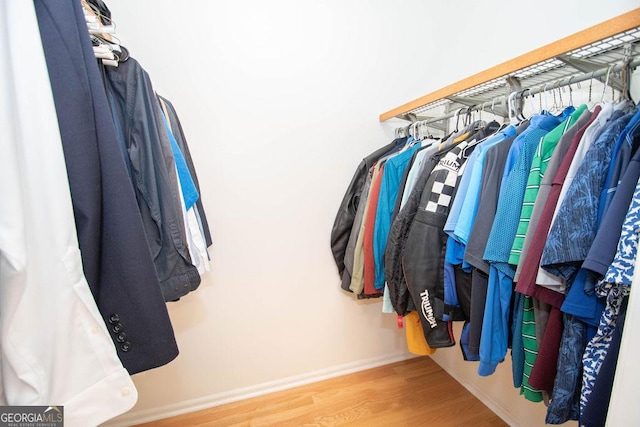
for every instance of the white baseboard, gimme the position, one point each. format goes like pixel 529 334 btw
pixel 235 395
pixel 486 398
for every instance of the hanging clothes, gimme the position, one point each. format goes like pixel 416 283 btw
pixel 493 171
pixel 55 346
pixel 545 163
pixel 458 226
pixel 394 169
pixel 513 212
pixel 178 133
pixel 154 176
pixel 423 255
pixel 115 256
pixel 80 231
pixel 188 195
pixel 566 394
pixel 396 241
pixel 407 184
pixel 543 371
pixel 343 225
pixel 494 337
pixel 369 267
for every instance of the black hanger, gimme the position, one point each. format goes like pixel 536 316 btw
pixel 102 10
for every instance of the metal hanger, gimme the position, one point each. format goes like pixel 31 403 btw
pixel 511 107
pixel 458 118
pixel 606 83
pixel 521 115
pixel 570 91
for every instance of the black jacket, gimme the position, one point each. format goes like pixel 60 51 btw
pixel 138 117
pixel 424 253
pixel 349 206
pixel 394 275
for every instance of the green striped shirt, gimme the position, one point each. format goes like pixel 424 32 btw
pixel 536 173
pixel 530 350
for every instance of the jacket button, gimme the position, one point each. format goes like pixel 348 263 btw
pixel 114 318
pixel 117 328
pixel 126 346
pixel 122 337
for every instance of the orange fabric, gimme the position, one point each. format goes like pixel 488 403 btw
pixel 416 343
pixel 370 221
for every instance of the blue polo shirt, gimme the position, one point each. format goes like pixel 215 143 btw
pixel 495 326
pixel 507 217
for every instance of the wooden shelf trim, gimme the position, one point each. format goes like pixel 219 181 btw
pixel 611 27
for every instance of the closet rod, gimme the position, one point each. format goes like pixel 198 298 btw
pixel 530 91
pixel 566 81
pixel 609 28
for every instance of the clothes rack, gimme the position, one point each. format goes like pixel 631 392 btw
pixel 525 188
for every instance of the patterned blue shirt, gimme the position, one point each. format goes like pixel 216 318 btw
pixel 575 225
pixel 614 287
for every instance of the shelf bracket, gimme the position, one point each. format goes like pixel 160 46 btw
pixel 586 66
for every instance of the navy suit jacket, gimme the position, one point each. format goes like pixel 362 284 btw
pixel 116 259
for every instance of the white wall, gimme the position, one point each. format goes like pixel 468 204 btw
pixel 280 101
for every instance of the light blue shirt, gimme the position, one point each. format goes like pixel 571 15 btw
pixel 461 191
pixel 469 208
pixel 460 221
pixel 414 172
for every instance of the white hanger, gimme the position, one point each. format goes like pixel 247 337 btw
pixel 108 47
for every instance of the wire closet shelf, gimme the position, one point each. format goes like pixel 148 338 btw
pixel 587 60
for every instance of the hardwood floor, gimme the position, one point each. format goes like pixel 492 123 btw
pixel 415 392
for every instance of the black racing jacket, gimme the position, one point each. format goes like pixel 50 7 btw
pixel 396 241
pixel 424 253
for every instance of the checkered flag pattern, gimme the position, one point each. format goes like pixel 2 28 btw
pixel 445 176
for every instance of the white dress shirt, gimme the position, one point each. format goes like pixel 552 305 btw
pixel 54 346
